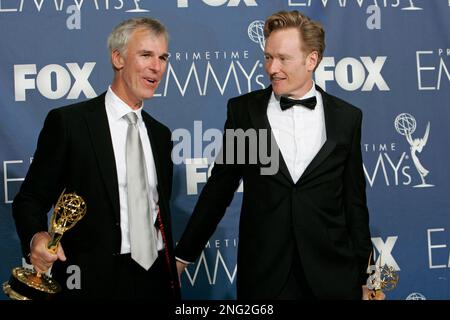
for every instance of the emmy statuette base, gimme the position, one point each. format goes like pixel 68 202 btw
pixel 26 284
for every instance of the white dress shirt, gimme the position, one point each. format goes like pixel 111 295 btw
pixel 298 131
pixel 118 126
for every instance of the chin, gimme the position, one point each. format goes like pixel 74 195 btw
pixel 148 94
pixel 277 91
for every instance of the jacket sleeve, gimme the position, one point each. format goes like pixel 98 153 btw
pixel 214 199
pixel 43 182
pixel 356 211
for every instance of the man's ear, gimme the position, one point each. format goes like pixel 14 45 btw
pixel 311 60
pixel 117 60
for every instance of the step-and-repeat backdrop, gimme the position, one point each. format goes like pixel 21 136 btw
pixel 391 58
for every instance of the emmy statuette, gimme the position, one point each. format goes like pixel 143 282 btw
pixel 27 284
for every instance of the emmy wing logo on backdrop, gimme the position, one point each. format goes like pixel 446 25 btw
pixel 137 8
pixel 411 6
pixel 256 33
pixel 406 124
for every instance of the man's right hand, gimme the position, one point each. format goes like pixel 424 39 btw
pixel 40 256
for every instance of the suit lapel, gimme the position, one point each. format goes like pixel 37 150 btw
pixel 97 122
pixel 258 115
pixel 330 113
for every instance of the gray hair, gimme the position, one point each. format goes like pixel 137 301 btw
pixel 118 39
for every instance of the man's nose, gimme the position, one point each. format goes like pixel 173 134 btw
pixel 272 66
pixel 155 64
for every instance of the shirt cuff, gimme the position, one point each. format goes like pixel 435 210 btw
pixel 183 261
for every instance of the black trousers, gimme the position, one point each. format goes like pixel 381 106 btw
pixel 134 282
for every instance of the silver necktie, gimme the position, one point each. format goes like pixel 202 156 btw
pixel 142 232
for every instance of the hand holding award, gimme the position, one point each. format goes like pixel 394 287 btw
pixel 382 278
pixel 26 284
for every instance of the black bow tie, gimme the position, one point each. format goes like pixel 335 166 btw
pixel 286 103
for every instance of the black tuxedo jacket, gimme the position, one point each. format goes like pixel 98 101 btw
pixel 323 216
pixel 75 152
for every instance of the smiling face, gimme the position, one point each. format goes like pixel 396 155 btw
pixel 289 68
pixel 140 68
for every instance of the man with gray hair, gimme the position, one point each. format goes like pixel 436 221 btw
pixel 117 158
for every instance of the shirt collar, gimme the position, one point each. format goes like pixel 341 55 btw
pixel 118 108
